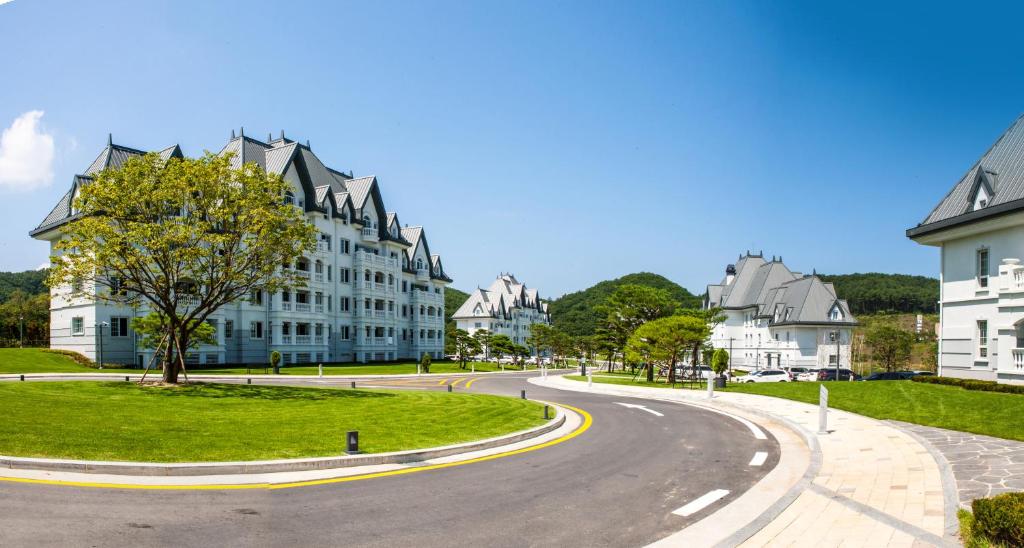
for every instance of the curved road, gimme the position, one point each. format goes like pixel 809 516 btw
pixel 615 485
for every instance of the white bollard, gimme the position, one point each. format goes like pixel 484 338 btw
pixel 822 409
pixel 711 388
pixel 590 381
pixel 320 370
pixel 418 370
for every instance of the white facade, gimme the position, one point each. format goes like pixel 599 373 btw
pixel 507 307
pixel 775 318
pixel 979 230
pixel 374 290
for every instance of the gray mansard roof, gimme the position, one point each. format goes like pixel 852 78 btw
pixel 771 290
pixel 1000 170
pixel 326 190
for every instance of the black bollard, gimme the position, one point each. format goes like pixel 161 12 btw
pixel 353 384
pixel 522 394
pixel 126 378
pixel 352 442
pixel 545 412
pixel 248 381
pixel 23 377
pixel 449 388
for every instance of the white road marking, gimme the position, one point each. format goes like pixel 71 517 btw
pixel 640 407
pixel 759 458
pixel 703 502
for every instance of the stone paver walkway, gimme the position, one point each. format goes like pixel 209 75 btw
pixel 877 485
pixel 982 465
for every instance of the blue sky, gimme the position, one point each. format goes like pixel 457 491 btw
pixel 566 142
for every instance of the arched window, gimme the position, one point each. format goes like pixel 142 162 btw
pixel 289 198
pixel 319 267
pixel 419 264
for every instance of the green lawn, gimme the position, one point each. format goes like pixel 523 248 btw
pixel 987 413
pixel 365 369
pixel 37 360
pixel 212 422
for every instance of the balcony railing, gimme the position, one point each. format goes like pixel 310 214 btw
pixel 302 339
pixel 379 314
pixel 380 341
pixel 319 308
pixel 322 247
pixel 362 258
pixel 370 234
pixel 286 305
pixel 318 277
pixel 319 339
pixel 188 301
pixel 286 339
pixel 1018 358
pixel 422 274
pixel 302 273
pixel 302 307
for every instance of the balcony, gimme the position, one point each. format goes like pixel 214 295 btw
pixel 286 306
pixel 319 309
pixel 286 339
pixel 323 248
pixel 188 301
pixel 302 339
pixel 380 314
pixel 1018 359
pixel 319 339
pixel 302 307
pixel 1011 276
pixel 318 277
pixel 369 234
pixel 362 258
pixel 302 273
pixel 422 274
pixel 377 286
pixel 380 341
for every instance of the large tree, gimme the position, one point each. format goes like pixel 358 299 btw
pixel 183 238
pixel 890 345
pixel 666 341
pixel 460 344
pixel 629 307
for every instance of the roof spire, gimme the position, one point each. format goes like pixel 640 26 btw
pixel 241 132
pixel 307 145
pixel 282 135
pixel 270 137
pixel 232 133
pixel 110 139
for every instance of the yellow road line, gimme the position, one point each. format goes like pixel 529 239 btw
pixel 587 422
pixel 457 381
pixel 471 381
pixel 442 381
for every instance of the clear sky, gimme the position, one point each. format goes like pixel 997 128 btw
pixel 566 142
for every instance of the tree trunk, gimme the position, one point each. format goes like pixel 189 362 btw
pixel 672 371
pixel 170 363
pixel 650 371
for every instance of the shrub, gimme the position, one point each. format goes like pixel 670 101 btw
pixel 425 362
pixel 1000 519
pixel 971 384
pixel 75 356
pixel 275 358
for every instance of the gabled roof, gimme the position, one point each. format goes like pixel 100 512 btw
pixel 359 189
pixel 1001 167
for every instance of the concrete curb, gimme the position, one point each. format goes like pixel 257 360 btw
pixel 284 465
pixel 950 495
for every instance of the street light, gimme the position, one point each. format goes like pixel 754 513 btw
pixel 835 337
pixel 21 331
pixel 99 328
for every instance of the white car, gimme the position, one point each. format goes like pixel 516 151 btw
pixel 767 375
pixel 810 375
pixel 796 373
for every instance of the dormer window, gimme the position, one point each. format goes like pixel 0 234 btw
pixel 836 314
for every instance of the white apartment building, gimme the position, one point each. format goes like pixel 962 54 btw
pixel 375 291
pixel 979 230
pixel 777 318
pixel 507 307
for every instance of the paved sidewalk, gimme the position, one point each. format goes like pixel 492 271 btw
pixel 982 465
pixel 876 484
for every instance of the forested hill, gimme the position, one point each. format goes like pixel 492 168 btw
pixel 29 281
pixel 574 312
pixel 453 299
pixel 874 292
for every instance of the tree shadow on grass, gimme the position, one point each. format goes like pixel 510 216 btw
pixel 249 392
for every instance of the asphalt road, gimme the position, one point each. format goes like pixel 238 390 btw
pixel 615 485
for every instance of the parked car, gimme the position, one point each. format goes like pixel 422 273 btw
pixel 797 372
pixel 767 375
pixel 810 375
pixel 829 374
pixel 923 373
pixel 890 376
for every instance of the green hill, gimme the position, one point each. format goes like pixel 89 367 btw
pixel 453 299
pixel 574 312
pixel 874 293
pixel 32 282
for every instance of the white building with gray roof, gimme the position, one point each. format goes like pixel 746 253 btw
pixel 777 318
pixel 506 307
pixel 979 230
pixel 375 289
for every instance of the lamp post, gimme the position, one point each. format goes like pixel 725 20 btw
pixel 730 357
pixel 99 329
pixel 21 331
pixel 835 337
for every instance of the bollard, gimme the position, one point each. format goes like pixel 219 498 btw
pixel 822 410
pixel 449 388
pixel 320 370
pixel 248 381
pixel 711 388
pixel 23 377
pixel 590 381
pixel 546 413
pixel 353 384
pixel 126 378
pixel 352 442
pixel 522 394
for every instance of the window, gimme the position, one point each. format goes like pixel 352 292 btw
pixel 346 304
pixel 343 246
pixel 983 339
pixel 229 327
pixel 255 330
pixel 1019 331
pixel 118 326
pixel 77 326
pixel 257 298
pixel 289 198
pixel 213 324
pixel 983 267
pixel 326 239
pixel 345 275
pixel 405 286
pixel 344 332
pixel 833 359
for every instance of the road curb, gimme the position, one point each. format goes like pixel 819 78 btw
pixel 234 377
pixel 283 465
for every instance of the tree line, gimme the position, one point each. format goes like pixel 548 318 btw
pixel 874 292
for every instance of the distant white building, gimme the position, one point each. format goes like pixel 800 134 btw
pixel 375 292
pixel 779 318
pixel 979 230
pixel 507 307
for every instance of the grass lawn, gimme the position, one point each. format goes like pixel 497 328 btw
pixel 987 413
pixel 37 360
pixel 215 422
pixel 366 369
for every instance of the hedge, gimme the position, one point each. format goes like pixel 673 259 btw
pixel 971 384
pixel 1000 519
